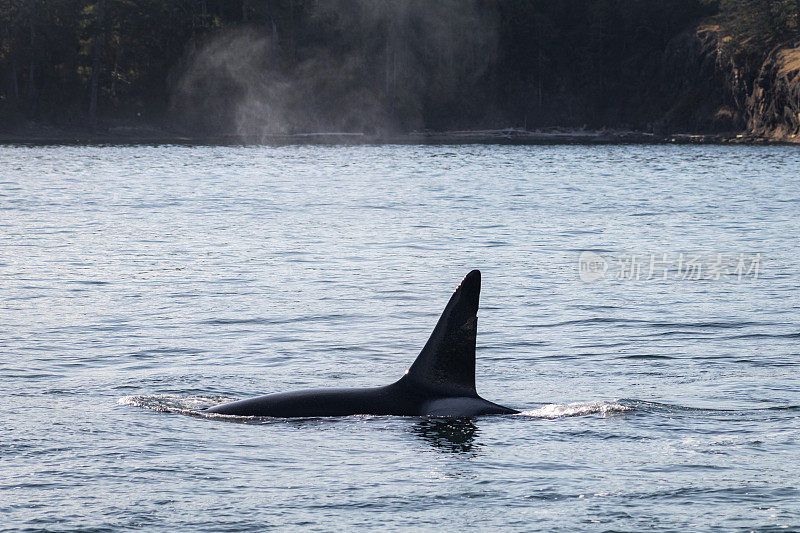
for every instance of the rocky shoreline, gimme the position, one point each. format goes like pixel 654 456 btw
pixel 716 91
pixel 510 136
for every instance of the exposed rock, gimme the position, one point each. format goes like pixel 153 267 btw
pixel 714 95
pixel 773 107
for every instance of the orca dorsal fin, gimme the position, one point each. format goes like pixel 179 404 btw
pixel 446 364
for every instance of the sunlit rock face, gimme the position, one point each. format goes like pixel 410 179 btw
pixel 773 108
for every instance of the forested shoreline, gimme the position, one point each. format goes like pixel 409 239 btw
pixel 254 68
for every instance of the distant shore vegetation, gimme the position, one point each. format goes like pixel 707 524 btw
pixel 254 67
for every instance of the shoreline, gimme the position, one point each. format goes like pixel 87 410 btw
pixel 555 136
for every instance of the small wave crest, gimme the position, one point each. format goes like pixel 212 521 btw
pixel 173 403
pixel 554 410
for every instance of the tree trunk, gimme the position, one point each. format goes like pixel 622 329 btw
pixel 13 80
pixel 32 96
pixel 95 82
pixel 292 47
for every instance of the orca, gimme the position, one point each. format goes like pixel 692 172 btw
pixel 440 382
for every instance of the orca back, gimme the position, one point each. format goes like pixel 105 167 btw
pixel 440 382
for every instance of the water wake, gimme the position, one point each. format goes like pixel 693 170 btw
pixel 578 409
pixel 173 403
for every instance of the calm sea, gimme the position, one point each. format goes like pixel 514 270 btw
pixel 640 304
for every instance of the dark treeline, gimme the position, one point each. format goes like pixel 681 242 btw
pixel 277 66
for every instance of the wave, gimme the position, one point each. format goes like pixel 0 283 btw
pixel 635 322
pixel 794 335
pixel 222 321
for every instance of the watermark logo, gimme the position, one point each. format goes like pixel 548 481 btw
pixel 591 267
pixel 668 266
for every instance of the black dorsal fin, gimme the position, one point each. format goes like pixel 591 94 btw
pixel 447 362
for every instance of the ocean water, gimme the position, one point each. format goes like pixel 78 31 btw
pixel 639 305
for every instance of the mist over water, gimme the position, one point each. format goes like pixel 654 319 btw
pixel 143 283
pixel 374 71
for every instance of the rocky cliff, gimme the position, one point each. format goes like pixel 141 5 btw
pixel 715 91
pixel 773 106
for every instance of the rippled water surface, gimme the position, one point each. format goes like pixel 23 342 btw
pixel 141 283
